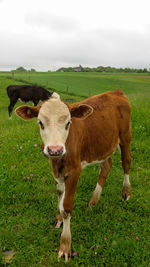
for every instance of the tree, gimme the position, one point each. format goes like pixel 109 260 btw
pixel 20 69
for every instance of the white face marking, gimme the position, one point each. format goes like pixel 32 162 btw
pixel 54 118
pixel 126 181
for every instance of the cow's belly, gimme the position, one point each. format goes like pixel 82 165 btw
pixel 85 163
pixel 99 160
pixel 21 100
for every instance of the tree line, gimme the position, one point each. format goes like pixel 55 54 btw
pixel 22 69
pixel 103 69
pixel 89 69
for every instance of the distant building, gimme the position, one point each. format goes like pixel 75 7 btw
pixel 71 69
pixel 61 70
pixel 76 69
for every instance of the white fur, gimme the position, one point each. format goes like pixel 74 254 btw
pixel 126 181
pixel 60 187
pixel 55 95
pixel 19 99
pixel 61 206
pixel 85 163
pixel 54 115
pixel 97 191
pixel 66 227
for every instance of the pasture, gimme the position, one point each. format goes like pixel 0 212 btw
pixel 113 233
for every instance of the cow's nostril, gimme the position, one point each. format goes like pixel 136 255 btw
pixel 60 150
pixel 55 150
pixel 49 150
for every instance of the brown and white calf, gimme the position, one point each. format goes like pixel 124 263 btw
pixel 78 135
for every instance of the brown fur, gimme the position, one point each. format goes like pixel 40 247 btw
pixel 96 137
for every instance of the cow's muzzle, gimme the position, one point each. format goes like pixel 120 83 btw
pixel 55 151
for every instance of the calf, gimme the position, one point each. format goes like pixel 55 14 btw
pixel 26 93
pixel 78 135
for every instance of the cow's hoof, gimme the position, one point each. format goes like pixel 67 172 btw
pixel 55 222
pixel 65 254
pixel 58 223
pixel 65 247
pixel 91 204
pixel 125 197
pixel 126 193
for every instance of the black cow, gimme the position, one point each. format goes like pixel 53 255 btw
pixel 26 93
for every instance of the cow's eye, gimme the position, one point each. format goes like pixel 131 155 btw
pixel 67 125
pixel 41 124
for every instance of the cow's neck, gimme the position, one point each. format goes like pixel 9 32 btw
pixel 58 167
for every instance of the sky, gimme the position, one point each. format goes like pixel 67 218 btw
pixel 49 34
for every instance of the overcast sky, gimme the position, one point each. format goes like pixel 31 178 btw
pixel 49 34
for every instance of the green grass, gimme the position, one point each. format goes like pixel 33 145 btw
pixel 86 84
pixel 114 233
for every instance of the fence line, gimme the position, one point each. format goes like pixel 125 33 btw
pixel 49 88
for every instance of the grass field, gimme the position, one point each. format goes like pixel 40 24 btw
pixel 114 233
pixel 86 84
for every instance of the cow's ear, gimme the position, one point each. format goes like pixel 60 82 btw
pixel 82 111
pixel 27 112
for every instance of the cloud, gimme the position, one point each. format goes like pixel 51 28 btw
pixel 52 22
pixel 103 47
pixel 65 33
pixel 120 48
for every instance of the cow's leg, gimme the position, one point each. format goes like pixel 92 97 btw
pixel 126 163
pixel 105 168
pixel 66 207
pixel 60 187
pixel 125 139
pixel 35 102
pixel 11 105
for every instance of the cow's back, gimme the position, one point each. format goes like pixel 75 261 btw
pixel 28 92
pixel 17 90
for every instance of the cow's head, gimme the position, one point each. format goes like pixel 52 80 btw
pixel 54 119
